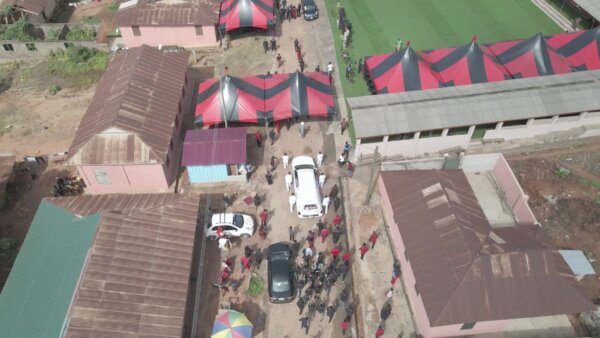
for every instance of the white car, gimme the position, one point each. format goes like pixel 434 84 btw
pixel 233 225
pixel 306 188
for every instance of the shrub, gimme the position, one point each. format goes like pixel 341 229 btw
pixel 77 60
pixel 78 33
pixel 257 285
pixel 15 31
pixel 561 172
pixel 53 90
pixel 52 34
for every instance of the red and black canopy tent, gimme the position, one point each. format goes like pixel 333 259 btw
pixel 467 64
pixel 401 72
pixel 264 99
pixel 581 49
pixel 236 14
pixel 530 57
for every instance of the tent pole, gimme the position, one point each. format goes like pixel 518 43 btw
pixel 223 102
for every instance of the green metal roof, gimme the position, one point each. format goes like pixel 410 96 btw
pixel 36 297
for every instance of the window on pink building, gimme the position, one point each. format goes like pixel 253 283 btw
pixel 101 176
pixel 136 30
pixel 199 31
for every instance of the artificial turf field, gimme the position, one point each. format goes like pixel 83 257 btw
pixel 431 24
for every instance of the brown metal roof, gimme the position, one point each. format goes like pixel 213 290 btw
pixel 132 114
pixel 136 279
pixel 7 162
pixel 466 272
pixel 33 6
pixel 170 13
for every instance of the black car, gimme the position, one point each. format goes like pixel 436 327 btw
pixel 281 273
pixel 310 10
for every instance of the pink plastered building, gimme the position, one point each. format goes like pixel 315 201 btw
pixel 462 276
pixel 130 138
pixel 184 23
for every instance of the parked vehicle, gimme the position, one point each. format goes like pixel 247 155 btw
pixel 281 273
pixel 306 188
pixel 310 10
pixel 232 224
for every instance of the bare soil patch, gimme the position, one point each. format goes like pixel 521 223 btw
pixel 567 206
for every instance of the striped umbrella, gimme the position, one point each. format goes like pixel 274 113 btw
pixel 232 324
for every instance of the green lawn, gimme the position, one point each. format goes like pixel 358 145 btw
pixel 430 24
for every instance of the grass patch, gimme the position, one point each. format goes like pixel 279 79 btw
pixel 112 7
pixel 77 65
pixel 53 90
pixel 90 20
pixel 430 24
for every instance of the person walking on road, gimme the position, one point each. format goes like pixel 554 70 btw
pixel 373 239
pixel 396 271
pixel 286 160
pixel 343 125
pixel 301 129
pixel 389 294
pixel 386 311
pixel 321 180
pixel 326 204
pixel 324 234
pixel 288 181
pixel 335 253
pixel 245 263
pixel 300 305
pixel 380 331
pixel 292 201
pixel 363 250
pixel 273 45
pixel 258 137
pixel 350 169
pixel 263 217
pixel 346 257
pixel 291 233
pixel 266 46
pixel 319 159
pixel 330 312
pixel 304 323
pixel 269 177
pixel 344 325
pixel 310 238
pixel 337 220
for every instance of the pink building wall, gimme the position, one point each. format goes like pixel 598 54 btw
pixel 184 36
pixel 408 278
pixel 128 178
pixel 515 195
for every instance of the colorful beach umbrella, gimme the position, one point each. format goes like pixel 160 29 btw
pixel 232 324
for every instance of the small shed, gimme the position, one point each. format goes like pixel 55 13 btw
pixel 215 155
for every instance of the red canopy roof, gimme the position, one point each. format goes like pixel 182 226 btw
pixel 529 58
pixel 262 99
pixel 467 64
pixel 246 13
pixel 402 71
pixel 581 49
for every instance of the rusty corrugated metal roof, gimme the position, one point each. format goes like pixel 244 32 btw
pixel 214 146
pixel 132 114
pixel 466 272
pixel 135 282
pixel 170 13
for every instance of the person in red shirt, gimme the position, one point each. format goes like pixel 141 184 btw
pixel 363 250
pixel 219 232
pixel 263 217
pixel 344 325
pixel 310 239
pixel 373 239
pixel 324 234
pixel 379 332
pixel 346 257
pixel 245 263
pixel 337 220
pixel 258 138
pixel 335 252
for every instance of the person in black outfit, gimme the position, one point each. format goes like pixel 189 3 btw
pixel 266 46
pixel 300 305
pixel 330 312
pixel 386 312
pixel 273 45
pixel 304 323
